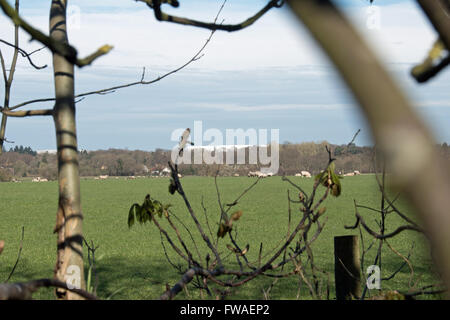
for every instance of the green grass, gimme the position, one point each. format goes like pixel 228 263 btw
pixel 133 259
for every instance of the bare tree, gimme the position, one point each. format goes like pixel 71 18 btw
pixel 388 210
pixel 8 79
pixel 69 215
pixel 8 75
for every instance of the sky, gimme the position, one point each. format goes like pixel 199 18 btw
pixel 268 76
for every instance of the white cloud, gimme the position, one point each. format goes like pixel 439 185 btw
pixel 229 107
pixel 433 104
pixel 277 39
pixel 404 34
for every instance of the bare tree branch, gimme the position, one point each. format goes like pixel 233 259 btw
pixel 198 55
pixel 354 137
pixel 179 188
pixel 162 16
pixel 24 291
pixel 9 79
pixel 406 261
pixel 425 291
pixel 438 12
pixel 3 65
pixel 27 113
pixel 25 54
pixel 18 256
pixel 400 229
pixel 61 48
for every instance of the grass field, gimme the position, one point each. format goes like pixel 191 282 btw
pixel 133 261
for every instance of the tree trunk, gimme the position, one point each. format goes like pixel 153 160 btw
pixel 8 82
pixel 69 265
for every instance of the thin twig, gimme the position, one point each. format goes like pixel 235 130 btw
pixel 26 54
pixel 198 55
pixel 18 256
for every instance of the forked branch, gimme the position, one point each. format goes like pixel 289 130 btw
pixel 63 49
pixel 155 5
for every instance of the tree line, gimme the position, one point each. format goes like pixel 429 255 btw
pixel 21 162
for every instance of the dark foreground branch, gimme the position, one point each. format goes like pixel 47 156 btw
pixel 185 280
pixel 24 291
pixel 438 12
pixel 162 16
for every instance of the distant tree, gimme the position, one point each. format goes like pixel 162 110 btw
pixel 20 168
pixel 23 150
pixel 119 167
pixel 5 175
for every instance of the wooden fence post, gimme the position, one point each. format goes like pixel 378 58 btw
pixel 347 267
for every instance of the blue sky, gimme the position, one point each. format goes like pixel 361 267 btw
pixel 269 76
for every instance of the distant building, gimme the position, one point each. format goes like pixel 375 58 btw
pixel 46 151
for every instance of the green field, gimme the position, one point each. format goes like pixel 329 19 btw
pixel 133 260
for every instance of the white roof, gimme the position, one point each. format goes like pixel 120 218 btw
pixel 46 151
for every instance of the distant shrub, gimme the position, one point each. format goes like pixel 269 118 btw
pixel 351 148
pixel 5 175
